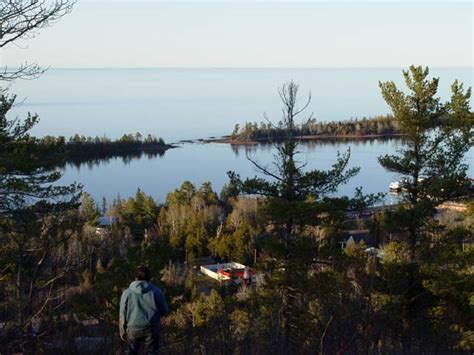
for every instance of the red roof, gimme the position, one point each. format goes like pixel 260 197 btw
pixel 235 272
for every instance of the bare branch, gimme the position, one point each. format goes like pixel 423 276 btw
pixel 262 169
pixel 22 19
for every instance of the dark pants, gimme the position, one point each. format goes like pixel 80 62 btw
pixel 136 338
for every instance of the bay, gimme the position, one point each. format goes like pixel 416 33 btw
pixel 210 162
pixel 181 104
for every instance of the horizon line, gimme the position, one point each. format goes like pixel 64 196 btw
pixel 251 67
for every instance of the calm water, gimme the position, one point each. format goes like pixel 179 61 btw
pixel 210 162
pixel 194 103
pixel 181 104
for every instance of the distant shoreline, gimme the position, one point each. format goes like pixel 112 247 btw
pixel 237 141
pixel 78 150
pixel 343 67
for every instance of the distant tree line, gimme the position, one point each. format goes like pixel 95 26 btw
pixel 80 149
pixel 266 131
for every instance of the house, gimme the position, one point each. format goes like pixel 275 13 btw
pixel 104 223
pixel 357 236
pixel 228 272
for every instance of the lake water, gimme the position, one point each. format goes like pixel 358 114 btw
pixel 179 104
pixel 201 162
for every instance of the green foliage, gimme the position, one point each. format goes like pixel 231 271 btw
pixel 308 295
pixel 235 246
pixel 37 218
pixel 88 210
pixel 81 149
pixel 292 200
pixel 189 219
pixel 438 136
pixel 431 162
pixel 470 209
pixel 137 213
pixel 354 128
pixel 231 188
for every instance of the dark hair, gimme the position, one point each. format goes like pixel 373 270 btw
pixel 142 273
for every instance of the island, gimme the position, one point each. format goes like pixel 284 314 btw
pixel 265 132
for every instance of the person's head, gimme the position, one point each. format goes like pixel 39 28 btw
pixel 142 273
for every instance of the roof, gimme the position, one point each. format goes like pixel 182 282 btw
pixel 104 221
pixel 203 261
pixel 356 236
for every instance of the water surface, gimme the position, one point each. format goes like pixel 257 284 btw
pixel 211 162
pixel 179 104
pixel 196 103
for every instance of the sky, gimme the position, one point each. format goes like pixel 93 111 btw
pixel 306 34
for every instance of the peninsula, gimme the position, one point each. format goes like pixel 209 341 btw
pixel 365 128
pixel 80 149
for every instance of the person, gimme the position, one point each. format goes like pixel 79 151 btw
pixel 141 306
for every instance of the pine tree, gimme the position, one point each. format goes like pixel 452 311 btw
pixel 293 199
pixel 437 136
pixel 88 210
pixel 35 222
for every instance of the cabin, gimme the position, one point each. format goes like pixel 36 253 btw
pixel 369 250
pixel 232 271
pixel 103 224
pixel 357 236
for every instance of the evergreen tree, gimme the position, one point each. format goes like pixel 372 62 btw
pixel 88 210
pixel 432 168
pixel 35 223
pixel 437 136
pixel 293 199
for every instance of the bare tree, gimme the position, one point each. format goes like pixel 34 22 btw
pixel 22 19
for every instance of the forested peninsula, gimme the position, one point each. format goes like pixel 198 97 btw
pixel 365 128
pixel 80 149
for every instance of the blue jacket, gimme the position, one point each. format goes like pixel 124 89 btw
pixel 141 306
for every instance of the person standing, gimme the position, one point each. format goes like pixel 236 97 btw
pixel 141 306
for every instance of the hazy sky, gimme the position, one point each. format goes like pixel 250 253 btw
pixel 254 34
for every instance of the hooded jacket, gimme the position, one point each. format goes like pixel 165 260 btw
pixel 141 306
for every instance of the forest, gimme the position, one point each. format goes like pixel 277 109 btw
pixel 406 286
pixel 311 129
pixel 332 275
pixel 81 150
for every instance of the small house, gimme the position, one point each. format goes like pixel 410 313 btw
pixel 104 223
pixel 228 272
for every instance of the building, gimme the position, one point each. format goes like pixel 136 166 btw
pixel 357 236
pixel 104 223
pixel 228 272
